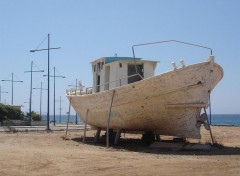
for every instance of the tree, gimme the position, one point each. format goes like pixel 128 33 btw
pixel 35 116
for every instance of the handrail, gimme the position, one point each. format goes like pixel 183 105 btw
pixel 177 41
pixel 165 41
pixel 87 88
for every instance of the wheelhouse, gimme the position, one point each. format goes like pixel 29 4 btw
pixel 112 72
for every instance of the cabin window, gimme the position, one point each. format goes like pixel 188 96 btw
pixel 98 84
pixel 94 68
pixel 132 71
pixel 98 66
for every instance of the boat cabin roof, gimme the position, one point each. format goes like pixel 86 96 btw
pixel 107 60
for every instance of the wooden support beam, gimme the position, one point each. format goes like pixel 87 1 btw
pixel 108 119
pixel 96 139
pixel 85 127
pixel 117 137
pixel 157 137
pixel 209 128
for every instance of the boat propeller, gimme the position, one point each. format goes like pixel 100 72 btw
pixel 201 120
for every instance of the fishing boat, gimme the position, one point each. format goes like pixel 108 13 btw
pixel 127 96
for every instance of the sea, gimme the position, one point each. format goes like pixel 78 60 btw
pixel 225 119
pixel 216 119
pixel 63 118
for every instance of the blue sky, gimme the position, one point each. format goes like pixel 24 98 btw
pixel 88 30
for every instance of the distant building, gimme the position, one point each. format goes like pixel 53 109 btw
pixel 18 107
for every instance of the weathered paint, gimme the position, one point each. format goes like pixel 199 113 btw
pixel 167 104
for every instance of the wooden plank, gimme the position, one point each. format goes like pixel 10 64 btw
pixel 186 105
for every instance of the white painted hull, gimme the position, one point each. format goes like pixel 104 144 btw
pixel 167 104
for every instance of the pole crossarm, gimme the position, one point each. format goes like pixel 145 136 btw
pixel 56 76
pixel 10 80
pixel 34 50
pixel 2 91
pixel 34 71
pixel 39 88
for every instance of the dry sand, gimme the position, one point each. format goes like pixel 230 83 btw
pixel 42 153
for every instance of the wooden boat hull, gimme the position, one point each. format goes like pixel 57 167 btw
pixel 167 104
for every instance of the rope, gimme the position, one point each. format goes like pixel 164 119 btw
pixel 41 42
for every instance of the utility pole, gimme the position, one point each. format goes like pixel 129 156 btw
pixel 30 99
pixel 48 100
pixel 76 94
pixel 13 81
pixel 1 93
pixel 40 98
pixel 60 109
pixel 54 97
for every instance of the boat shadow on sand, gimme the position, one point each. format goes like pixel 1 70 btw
pixel 136 145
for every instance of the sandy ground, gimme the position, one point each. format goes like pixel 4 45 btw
pixel 42 153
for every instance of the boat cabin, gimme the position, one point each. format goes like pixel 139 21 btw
pixel 111 72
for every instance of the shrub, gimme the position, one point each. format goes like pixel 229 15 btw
pixel 8 112
pixel 35 116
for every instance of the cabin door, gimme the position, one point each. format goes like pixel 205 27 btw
pixel 107 77
pixel 132 71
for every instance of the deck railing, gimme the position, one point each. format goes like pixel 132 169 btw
pixel 89 90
